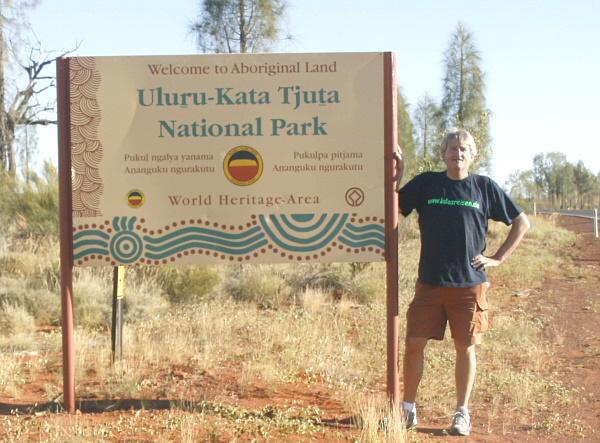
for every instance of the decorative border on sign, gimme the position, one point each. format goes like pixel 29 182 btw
pixel 296 237
pixel 86 149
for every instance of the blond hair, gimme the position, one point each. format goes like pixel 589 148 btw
pixel 464 137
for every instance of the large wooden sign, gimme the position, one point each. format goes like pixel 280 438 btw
pixel 227 158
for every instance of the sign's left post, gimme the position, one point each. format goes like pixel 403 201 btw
pixel 66 232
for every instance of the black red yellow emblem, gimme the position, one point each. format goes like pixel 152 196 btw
pixel 135 198
pixel 243 166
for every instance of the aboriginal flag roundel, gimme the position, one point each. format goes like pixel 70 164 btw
pixel 135 198
pixel 243 166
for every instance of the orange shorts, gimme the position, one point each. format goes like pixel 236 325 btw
pixel 464 309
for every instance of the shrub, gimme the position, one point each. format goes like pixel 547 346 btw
pixel 143 301
pixel 369 285
pixel 187 284
pixel 21 265
pixel 30 207
pixel 92 302
pixel 259 284
pixel 36 263
pixel 18 328
pixel 333 276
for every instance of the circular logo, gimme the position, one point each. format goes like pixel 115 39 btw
pixel 355 196
pixel 135 198
pixel 243 166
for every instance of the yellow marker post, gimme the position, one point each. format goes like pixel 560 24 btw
pixel 117 314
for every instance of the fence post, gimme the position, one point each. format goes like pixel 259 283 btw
pixel 596 223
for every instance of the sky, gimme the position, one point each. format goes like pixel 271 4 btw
pixel 541 58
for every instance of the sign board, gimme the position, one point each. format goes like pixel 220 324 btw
pixel 250 158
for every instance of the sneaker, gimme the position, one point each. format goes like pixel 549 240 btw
pixel 461 423
pixel 409 418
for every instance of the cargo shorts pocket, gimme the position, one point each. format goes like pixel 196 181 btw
pixel 480 320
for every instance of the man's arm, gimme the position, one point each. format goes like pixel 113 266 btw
pixel 518 228
pixel 399 169
pixel 399 164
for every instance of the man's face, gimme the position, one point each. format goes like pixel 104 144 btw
pixel 457 157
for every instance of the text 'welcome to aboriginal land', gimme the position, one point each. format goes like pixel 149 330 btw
pixel 269 69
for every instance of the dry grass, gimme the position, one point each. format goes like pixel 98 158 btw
pixel 377 421
pixel 543 249
pixel 276 324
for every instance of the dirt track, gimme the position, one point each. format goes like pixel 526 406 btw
pixel 575 297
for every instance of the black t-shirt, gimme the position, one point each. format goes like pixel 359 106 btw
pixel 453 220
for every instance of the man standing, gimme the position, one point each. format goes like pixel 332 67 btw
pixel 454 207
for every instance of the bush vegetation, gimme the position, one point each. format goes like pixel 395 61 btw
pixel 272 324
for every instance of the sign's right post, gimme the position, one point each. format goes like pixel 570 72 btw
pixel 391 228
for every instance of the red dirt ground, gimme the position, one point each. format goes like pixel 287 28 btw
pixel 577 362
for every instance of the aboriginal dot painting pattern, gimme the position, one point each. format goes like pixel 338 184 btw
pixel 284 238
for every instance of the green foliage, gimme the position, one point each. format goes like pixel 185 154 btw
pixel 30 280
pixel 428 130
pixel 463 105
pixel 143 300
pixel 259 284
pixel 405 133
pixel 41 305
pixel 239 26
pixel 368 285
pixel 187 284
pixel 463 101
pixel 15 320
pixel 21 265
pixel 29 207
pixel 265 423
pixel 555 183
pixel 334 276
pixel 522 188
pixel 18 328
pixel 92 301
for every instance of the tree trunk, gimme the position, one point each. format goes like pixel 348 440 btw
pixel 243 36
pixel 3 116
pixel 7 135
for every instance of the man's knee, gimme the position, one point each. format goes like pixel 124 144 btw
pixel 464 348
pixel 415 345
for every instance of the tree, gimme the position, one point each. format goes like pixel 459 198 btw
pixel 546 170
pixel 554 183
pixel 587 185
pixel 405 134
pixel 239 26
pixel 522 187
pixel 567 190
pixel 20 97
pixel 427 133
pixel 463 102
pixel 563 184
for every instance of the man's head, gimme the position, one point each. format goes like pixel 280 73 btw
pixel 464 138
pixel 458 152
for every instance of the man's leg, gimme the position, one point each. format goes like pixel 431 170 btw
pixel 466 365
pixel 413 366
pixel 464 373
